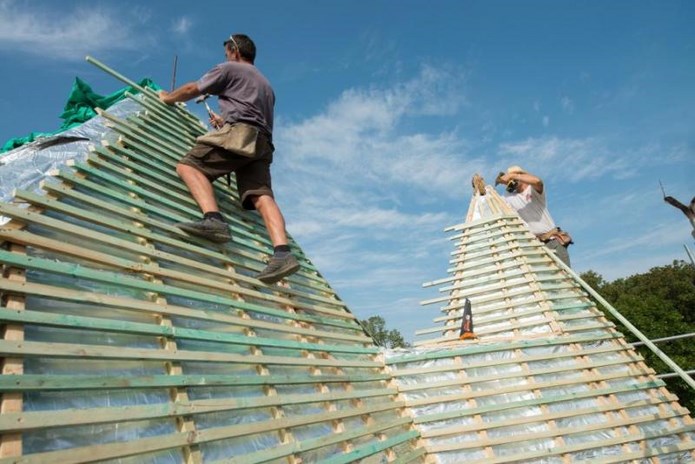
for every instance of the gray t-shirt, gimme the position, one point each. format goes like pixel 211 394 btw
pixel 245 95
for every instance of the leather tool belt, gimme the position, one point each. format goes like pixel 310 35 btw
pixel 556 234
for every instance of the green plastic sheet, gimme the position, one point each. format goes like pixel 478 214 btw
pixel 79 108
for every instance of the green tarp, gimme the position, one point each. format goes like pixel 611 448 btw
pixel 79 108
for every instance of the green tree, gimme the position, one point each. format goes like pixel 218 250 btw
pixel 594 280
pixel 375 326
pixel 660 303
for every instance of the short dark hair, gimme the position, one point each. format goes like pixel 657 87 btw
pixel 247 49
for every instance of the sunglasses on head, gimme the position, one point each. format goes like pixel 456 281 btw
pixel 231 39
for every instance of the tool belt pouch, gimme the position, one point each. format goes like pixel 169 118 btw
pixel 556 234
pixel 238 138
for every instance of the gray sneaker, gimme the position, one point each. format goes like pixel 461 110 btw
pixel 278 268
pixel 212 229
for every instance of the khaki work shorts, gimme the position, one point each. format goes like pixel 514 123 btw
pixel 252 174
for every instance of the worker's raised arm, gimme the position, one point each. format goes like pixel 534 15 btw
pixel 182 94
pixel 524 177
pixel 690 213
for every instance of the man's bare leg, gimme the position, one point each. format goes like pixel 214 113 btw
pixel 199 186
pixel 283 263
pixel 272 217
pixel 212 227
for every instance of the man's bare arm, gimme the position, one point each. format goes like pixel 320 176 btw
pixel 526 178
pixel 677 204
pixel 181 94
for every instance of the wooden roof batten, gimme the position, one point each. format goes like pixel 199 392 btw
pixel 547 377
pixel 126 339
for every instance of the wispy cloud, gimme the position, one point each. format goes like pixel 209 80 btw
pixel 182 25
pixel 359 134
pixel 611 268
pixel 369 175
pixel 656 238
pixel 578 160
pixel 632 88
pixel 377 47
pixel 56 33
pixel 627 256
pixel 567 105
pixel 575 160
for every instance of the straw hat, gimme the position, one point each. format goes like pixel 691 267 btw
pixel 516 169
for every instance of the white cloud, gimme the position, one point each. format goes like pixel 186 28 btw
pixel 592 211
pixel 575 160
pixel 657 237
pixel 567 105
pixel 68 35
pixel 611 268
pixel 546 121
pixel 359 135
pixel 182 25
pixel 437 91
pixel 369 196
pixel 369 218
pixel 591 158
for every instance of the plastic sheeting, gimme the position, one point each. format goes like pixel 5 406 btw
pixel 79 108
pixel 25 167
pixel 449 403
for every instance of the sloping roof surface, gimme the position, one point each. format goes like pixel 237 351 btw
pixel 548 378
pixel 128 341
pixel 126 337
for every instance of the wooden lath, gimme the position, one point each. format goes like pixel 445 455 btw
pixel 513 284
pixel 103 297
pixel 126 338
pixel 576 385
pixel 548 378
pixel 12 332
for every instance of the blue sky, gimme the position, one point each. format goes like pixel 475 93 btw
pixel 385 109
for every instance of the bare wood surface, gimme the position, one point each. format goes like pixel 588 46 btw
pixel 12 403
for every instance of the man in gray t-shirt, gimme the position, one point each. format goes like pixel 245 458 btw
pixel 241 143
pixel 244 94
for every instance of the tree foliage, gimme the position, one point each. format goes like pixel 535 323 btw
pixel 375 326
pixel 659 303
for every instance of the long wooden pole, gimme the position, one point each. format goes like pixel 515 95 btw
pixel 146 92
pixel 667 339
pixel 690 255
pixel 118 76
pixel 669 362
pixel 173 75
